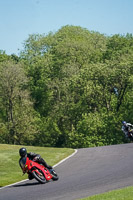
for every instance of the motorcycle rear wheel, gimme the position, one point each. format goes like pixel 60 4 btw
pixel 40 178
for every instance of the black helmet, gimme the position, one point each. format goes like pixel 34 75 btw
pixel 22 152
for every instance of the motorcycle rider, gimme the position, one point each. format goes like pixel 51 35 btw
pixel 126 128
pixel 34 157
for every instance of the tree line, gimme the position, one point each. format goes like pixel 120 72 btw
pixel 71 88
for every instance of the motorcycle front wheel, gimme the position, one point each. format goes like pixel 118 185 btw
pixel 55 177
pixel 39 176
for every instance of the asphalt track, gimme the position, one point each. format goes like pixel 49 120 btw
pixel 90 171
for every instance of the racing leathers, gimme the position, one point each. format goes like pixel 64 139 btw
pixel 126 128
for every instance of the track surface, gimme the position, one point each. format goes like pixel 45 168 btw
pixel 90 171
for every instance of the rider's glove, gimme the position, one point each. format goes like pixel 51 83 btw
pixel 36 158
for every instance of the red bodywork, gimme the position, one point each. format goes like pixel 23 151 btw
pixel 29 166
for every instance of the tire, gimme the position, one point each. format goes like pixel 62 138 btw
pixel 40 178
pixel 55 177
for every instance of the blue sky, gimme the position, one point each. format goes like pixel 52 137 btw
pixel 19 18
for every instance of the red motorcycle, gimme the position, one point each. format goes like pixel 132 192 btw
pixel 38 171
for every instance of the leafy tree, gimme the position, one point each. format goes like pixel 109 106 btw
pixel 72 75
pixel 3 56
pixel 15 104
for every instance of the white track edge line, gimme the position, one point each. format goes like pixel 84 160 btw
pixel 75 151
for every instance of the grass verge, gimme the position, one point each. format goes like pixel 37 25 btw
pixel 10 171
pixel 121 194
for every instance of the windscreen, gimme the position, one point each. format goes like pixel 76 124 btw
pixel 23 162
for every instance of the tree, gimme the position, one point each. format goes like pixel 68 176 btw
pixel 72 75
pixel 15 104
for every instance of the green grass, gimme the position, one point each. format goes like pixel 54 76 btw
pixel 10 171
pixel 121 194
